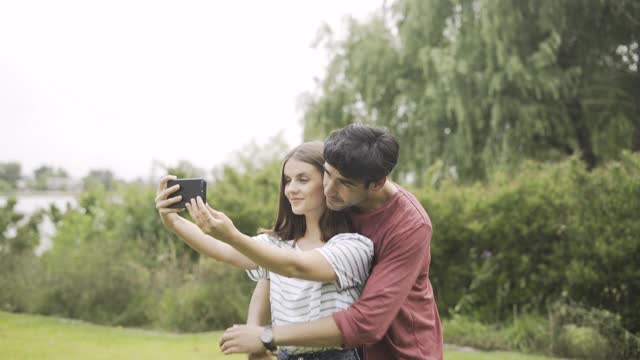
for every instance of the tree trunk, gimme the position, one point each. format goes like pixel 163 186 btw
pixel 583 133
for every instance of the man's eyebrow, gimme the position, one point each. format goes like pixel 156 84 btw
pixel 347 181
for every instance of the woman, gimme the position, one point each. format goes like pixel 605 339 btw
pixel 315 265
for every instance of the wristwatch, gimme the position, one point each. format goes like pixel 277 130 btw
pixel 267 339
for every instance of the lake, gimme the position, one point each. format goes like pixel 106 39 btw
pixel 28 203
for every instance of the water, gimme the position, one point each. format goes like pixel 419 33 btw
pixel 29 203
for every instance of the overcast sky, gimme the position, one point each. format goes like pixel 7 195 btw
pixel 115 84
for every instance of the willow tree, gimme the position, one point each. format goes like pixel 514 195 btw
pixel 479 84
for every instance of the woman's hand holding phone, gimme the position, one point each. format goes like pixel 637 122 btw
pixel 167 215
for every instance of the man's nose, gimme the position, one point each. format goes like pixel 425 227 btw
pixel 329 187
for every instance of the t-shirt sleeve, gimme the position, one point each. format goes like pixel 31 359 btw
pixel 395 273
pixel 259 272
pixel 350 256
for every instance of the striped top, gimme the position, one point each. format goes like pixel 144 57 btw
pixel 296 300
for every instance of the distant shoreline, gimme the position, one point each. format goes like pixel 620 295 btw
pixel 34 193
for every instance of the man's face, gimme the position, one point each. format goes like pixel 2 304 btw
pixel 342 192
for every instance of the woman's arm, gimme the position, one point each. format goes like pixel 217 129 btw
pixel 191 234
pixel 260 306
pixel 260 312
pixel 307 265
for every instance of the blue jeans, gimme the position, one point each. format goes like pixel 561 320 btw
pixel 337 354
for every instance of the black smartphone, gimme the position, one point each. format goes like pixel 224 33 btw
pixel 189 189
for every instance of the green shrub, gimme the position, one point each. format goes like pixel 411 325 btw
pixel 529 333
pixel 581 342
pixel 550 231
pixel 571 325
pixel 463 331
pixel 215 298
pixel 20 275
pixel 95 282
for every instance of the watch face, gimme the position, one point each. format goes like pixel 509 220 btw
pixel 266 336
pixel 267 339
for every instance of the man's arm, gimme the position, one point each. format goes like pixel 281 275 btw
pixel 246 338
pixel 391 280
pixel 369 318
pixel 323 332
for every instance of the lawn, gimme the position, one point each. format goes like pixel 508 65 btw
pixel 34 337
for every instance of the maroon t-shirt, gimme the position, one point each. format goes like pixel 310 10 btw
pixel 396 315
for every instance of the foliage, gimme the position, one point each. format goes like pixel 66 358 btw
pixel 590 333
pixel 215 297
pixel 463 331
pixel 44 174
pixel 484 84
pixel 17 234
pixel 10 173
pixel 114 263
pixel 524 240
pixel 96 281
pixel 102 176
pixel 247 189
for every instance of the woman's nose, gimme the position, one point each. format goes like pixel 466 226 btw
pixel 292 188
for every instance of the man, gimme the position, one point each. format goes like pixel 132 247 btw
pixel 396 316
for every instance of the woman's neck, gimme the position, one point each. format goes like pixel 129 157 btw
pixel 312 237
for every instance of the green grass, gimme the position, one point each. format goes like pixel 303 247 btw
pixel 47 338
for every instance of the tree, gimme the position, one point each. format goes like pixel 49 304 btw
pixel 101 176
pixel 18 236
pixel 10 173
pixel 483 84
pixel 185 169
pixel 45 174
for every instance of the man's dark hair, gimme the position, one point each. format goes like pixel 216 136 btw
pixel 362 152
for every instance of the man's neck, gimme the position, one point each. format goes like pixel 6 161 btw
pixel 377 199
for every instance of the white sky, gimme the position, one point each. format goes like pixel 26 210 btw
pixel 115 84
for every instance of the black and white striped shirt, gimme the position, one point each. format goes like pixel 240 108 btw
pixel 296 300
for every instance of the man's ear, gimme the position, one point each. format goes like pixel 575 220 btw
pixel 377 185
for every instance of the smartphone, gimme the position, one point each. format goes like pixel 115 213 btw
pixel 189 189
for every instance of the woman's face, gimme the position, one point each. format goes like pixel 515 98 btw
pixel 303 187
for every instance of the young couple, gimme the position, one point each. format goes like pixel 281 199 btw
pixel 346 265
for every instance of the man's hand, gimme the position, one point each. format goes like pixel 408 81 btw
pixel 210 221
pixel 242 339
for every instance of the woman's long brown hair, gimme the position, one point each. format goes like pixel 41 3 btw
pixel 290 226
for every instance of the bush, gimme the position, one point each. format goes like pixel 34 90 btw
pixel 20 275
pixel 215 298
pixel 95 282
pixel 592 333
pixel 466 332
pixel 551 231
pixel 581 342
pixel 528 333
